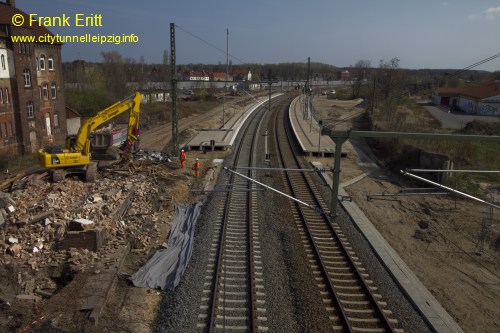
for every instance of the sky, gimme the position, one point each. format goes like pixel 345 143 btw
pixel 423 34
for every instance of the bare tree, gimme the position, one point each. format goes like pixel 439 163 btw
pixel 388 77
pixel 165 57
pixel 359 76
pixel 113 68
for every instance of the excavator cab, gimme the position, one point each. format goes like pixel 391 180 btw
pixel 76 157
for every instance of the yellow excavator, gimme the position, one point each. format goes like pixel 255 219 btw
pixel 75 158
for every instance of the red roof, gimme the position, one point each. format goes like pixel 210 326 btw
pixel 480 91
pixel 238 71
pixel 485 90
pixel 6 13
pixel 70 113
pixel 221 75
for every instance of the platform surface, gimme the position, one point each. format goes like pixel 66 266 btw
pixel 224 137
pixel 307 130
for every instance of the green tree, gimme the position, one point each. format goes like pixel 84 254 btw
pixel 88 101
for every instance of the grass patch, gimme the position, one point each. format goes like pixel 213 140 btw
pixel 467 155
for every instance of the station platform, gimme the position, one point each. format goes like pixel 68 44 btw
pixel 307 131
pixel 222 138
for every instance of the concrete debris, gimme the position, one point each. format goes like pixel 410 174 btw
pixel 153 156
pixel 78 226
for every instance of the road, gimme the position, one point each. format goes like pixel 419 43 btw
pixel 457 120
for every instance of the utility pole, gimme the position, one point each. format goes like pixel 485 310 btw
pixel 308 72
pixel 175 118
pixel 225 83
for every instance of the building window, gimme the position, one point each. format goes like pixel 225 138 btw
pixel 56 119
pixel 45 91
pixel 1 95
pixel 7 95
pixel 24 48
pixel 51 63
pixel 29 108
pixel 27 77
pixel 53 90
pixel 37 63
pixel 2 60
pixel 42 62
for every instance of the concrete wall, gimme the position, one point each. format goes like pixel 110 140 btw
pixel 73 125
pixel 476 107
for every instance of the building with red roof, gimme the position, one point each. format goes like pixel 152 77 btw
pixel 32 108
pixel 482 99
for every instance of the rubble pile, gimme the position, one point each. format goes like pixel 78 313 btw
pixel 76 226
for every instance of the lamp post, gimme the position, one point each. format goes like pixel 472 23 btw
pixel 320 124
pixel 225 81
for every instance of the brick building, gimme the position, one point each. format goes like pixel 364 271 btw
pixel 32 108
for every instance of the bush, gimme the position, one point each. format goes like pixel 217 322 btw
pixel 88 102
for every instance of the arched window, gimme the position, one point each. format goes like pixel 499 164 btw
pixel 2 60
pixel 42 62
pixel 7 95
pixel 1 95
pixel 27 77
pixel 29 109
pixel 53 90
pixel 45 91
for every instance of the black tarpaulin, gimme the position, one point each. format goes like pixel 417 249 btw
pixel 165 269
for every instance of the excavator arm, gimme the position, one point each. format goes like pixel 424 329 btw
pixel 82 142
pixel 77 152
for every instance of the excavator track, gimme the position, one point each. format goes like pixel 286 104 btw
pixel 58 175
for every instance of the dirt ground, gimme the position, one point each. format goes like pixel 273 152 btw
pixel 438 236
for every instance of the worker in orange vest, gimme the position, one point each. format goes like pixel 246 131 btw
pixel 182 158
pixel 196 167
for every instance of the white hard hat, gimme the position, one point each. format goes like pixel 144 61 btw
pixel 182 150
pixel 197 158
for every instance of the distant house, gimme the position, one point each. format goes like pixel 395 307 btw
pixel 482 99
pixel 220 77
pixel 152 96
pixel 345 76
pixel 242 75
pixel 194 76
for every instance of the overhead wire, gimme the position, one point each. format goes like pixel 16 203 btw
pixel 209 44
pixel 454 74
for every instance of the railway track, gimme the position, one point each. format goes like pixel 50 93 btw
pixel 349 296
pixel 234 295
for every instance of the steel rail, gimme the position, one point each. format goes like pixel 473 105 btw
pixel 220 257
pixel 384 320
